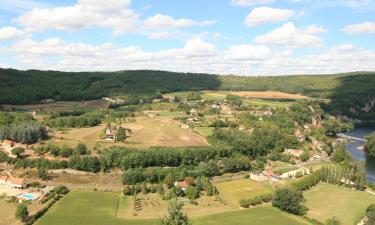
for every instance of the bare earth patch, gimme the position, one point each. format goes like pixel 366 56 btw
pixel 268 94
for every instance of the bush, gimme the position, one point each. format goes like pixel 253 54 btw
pixel 246 203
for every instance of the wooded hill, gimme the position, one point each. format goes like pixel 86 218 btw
pixel 351 93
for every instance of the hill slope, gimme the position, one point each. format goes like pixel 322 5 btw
pixel 352 94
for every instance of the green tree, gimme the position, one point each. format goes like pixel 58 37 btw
pixel 121 135
pixel 289 200
pixel 174 216
pixel 22 213
pixel 169 181
pixel 370 145
pixel 18 151
pixel 192 193
pixel 82 149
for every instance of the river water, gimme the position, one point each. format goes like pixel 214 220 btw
pixel 358 154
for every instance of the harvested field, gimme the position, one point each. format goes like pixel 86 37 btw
pixel 60 106
pixel 268 95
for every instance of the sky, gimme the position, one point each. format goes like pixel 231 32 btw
pixel 241 37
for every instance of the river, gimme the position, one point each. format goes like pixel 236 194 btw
pixel 358 154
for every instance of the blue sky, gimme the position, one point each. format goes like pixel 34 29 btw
pixel 244 37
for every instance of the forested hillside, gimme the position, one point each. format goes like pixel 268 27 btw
pixel 351 93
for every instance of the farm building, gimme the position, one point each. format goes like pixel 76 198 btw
pixel 294 173
pixel 110 135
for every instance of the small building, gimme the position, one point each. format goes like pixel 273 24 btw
pixel 110 135
pixel 181 184
pixel 318 144
pixel 48 100
pixel 184 126
pixel 241 128
pixel 3 180
pixel 258 177
pixel 194 112
pixel 294 152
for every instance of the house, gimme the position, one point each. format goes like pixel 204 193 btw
pixel 258 177
pixel 181 184
pixel 294 173
pixel 241 128
pixel 17 183
pixel 184 126
pixel 110 135
pixel 13 182
pixel 294 152
pixel 193 112
pixel 318 144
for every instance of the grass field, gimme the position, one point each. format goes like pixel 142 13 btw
pixel 257 216
pixel 234 191
pixel 204 131
pixel 7 212
pixel 99 208
pixel 326 201
pixel 146 132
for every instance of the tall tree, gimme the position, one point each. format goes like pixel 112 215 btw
pixel 121 135
pixel 22 213
pixel 175 216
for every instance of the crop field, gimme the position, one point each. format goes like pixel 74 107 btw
pixel 60 106
pixel 326 201
pixel 7 211
pixel 265 215
pixel 146 132
pixel 233 191
pixel 107 208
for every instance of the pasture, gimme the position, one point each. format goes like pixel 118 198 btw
pixel 108 208
pixel 326 201
pixel 233 191
pixel 146 132
pixel 7 212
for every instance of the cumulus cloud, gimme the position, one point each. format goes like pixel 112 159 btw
pixel 360 28
pixel 262 15
pixel 160 21
pixel 86 13
pixel 11 33
pixel 243 3
pixel 248 52
pixel 289 35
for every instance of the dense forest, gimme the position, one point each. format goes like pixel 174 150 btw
pixel 352 94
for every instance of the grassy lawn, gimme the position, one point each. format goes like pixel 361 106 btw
pixel 99 208
pixel 87 208
pixel 326 201
pixel 204 131
pixel 7 212
pixel 234 191
pixel 256 216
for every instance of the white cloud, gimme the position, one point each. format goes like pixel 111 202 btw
pixel 289 35
pixel 86 13
pixel 160 21
pixel 250 2
pixel 20 6
pixel 248 52
pixel 264 15
pixel 360 28
pixel 197 47
pixel 164 35
pixel 11 33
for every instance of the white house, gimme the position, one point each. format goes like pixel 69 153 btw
pixel 294 152
pixel 13 182
pixel 293 173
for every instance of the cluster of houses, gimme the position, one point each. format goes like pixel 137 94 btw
pixel 13 182
pixel 269 175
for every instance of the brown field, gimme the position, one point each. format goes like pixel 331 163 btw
pixel 268 94
pixel 146 132
pixel 59 106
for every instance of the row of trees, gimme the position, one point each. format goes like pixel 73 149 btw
pixel 27 132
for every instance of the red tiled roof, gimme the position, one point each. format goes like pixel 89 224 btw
pixel 17 181
pixel 182 184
